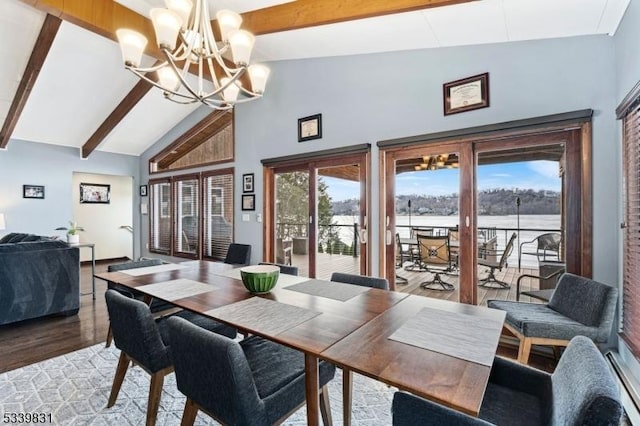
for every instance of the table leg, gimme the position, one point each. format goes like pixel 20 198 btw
pixel 347 389
pixel 311 380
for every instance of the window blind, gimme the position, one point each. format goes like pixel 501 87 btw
pixel 160 217
pixel 186 235
pixel 631 245
pixel 218 213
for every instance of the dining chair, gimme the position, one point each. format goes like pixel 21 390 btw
pixel 284 269
pixel 436 258
pixel 347 375
pixel 488 260
pixel 361 280
pixel 251 382
pixel 238 254
pixel 144 341
pixel 581 391
pixel 155 305
pixel 578 306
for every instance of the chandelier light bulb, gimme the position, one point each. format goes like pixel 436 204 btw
pixel 228 21
pixel 132 44
pixel 166 24
pixel 230 93
pixel 258 74
pixel 168 78
pixel 241 42
pixel 182 8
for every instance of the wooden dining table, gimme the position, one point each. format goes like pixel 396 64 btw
pixel 351 333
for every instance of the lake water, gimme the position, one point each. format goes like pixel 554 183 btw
pixel 530 227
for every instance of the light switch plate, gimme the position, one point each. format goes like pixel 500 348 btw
pixel 259 218
pixel 246 217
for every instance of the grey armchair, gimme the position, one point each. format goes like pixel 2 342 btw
pixel 582 391
pixel 578 306
pixel 145 342
pixel 284 269
pixel 252 382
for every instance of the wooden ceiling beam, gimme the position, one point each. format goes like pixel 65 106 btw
pixel 36 60
pixel 310 13
pixel 132 98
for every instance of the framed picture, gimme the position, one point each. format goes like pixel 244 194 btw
pixel 310 128
pixel 95 193
pixel 33 191
pixel 143 190
pixel 466 94
pixel 247 182
pixel 248 202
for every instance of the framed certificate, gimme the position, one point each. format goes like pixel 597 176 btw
pixel 310 128
pixel 466 94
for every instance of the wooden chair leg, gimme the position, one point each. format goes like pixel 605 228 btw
pixel 325 406
pixel 121 370
pixel 347 388
pixel 524 350
pixel 109 337
pixel 189 414
pixel 155 392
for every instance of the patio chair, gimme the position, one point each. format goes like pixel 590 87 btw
pixel 578 306
pixel 581 391
pixel 284 269
pixel 545 245
pixel 283 251
pixel 252 382
pixel 435 257
pixel 493 265
pixel 238 254
pixel 401 257
pixel 145 342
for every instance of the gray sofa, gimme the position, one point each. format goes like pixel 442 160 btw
pixel 38 277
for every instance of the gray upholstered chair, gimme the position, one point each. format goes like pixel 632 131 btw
pixel 238 254
pixel 361 280
pixel 252 382
pixel 155 305
pixel 578 306
pixel 145 341
pixel 285 269
pixel 582 391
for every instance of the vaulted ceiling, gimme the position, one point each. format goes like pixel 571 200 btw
pixel 62 82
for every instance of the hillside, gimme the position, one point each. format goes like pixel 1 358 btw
pixel 495 202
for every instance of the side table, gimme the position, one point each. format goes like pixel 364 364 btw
pixel 92 246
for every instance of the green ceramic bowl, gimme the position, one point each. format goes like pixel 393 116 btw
pixel 260 278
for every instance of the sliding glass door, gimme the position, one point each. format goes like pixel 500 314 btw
pixel 315 214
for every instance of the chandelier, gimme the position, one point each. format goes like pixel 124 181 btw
pixel 435 162
pixel 200 68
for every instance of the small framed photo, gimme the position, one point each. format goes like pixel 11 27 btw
pixel 143 190
pixel 33 191
pixel 95 193
pixel 247 182
pixel 466 94
pixel 249 202
pixel 310 128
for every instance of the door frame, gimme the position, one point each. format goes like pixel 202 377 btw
pixel 359 154
pixel 572 128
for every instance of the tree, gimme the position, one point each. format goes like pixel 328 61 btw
pixel 292 206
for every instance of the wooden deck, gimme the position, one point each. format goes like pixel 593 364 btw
pixel 329 263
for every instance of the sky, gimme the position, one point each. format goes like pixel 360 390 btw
pixel 536 175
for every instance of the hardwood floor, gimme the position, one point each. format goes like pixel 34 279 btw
pixel 36 340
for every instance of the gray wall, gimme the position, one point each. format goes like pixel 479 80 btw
pixel 368 98
pixel 52 166
pixel 627 68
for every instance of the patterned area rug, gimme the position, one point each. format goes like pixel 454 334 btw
pixel 75 387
